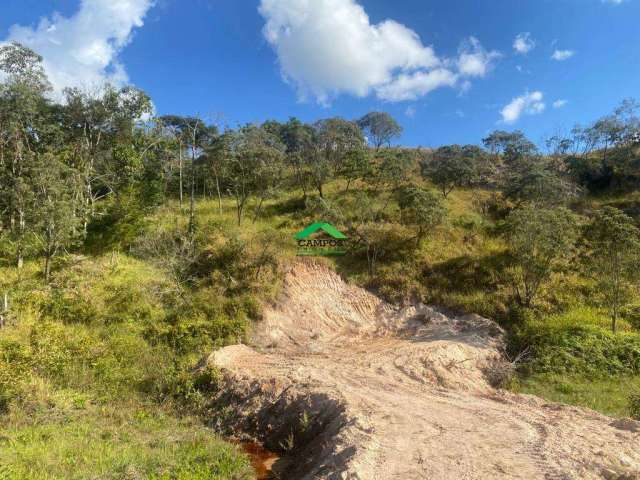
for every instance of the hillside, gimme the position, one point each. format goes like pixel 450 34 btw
pixel 455 279
pixel 108 322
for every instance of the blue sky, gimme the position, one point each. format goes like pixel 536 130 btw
pixel 447 70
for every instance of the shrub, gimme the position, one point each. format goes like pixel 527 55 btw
pixel 634 405
pixel 15 363
pixel 582 349
pixel 54 350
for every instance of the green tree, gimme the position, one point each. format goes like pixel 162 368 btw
pixel 375 234
pixel 614 246
pixel 24 115
pixel 380 128
pixel 450 166
pixel 254 161
pixel 393 169
pixel 356 165
pixel 94 125
pixel 298 139
pixel 511 145
pixel 420 209
pixel 533 180
pixel 193 134
pixel 332 139
pixel 56 222
pixel 540 241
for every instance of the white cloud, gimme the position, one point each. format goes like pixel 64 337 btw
pixel 412 86
pixel 559 103
pixel 474 60
pixel 561 55
pixel 529 104
pixel 523 43
pixel 410 111
pixel 82 50
pixel 615 2
pixel 329 47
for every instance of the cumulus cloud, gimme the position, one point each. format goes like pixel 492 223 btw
pixel 82 50
pixel 523 43
pixel 559 103
pixel 329 47
pixel 418 84
pixel 529 104
pixel 561 55
pixel 474 60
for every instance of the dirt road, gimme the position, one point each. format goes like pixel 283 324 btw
pixel 353 388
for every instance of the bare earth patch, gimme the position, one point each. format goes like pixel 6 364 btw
pixel 349 387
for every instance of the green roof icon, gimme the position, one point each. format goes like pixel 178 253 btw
pixel 326 227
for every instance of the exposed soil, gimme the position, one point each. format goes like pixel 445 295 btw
pixel 347 386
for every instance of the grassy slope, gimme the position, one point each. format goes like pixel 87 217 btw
pixel 86 394
pixel 461 266
pixel 94 392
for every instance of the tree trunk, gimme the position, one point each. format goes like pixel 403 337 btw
pixel 180 174
pixel 192 214
pixel 21 232
pixel 4 313
pixel 258 210
pixel 239 209
pixel 218 192
pixel 47 267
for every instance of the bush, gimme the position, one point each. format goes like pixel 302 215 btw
pixel 634 405
pixel 235 265
pixel 123 221
pixel 581 349
pixel 15 363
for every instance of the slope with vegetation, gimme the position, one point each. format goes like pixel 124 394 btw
pixel 359 388
pixel 130 247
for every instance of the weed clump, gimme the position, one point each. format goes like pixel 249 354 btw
pixel 634 405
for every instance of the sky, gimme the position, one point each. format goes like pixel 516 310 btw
pixel 448 71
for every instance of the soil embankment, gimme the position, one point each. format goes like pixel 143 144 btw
pixel 350 387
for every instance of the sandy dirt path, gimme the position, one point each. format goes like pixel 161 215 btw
pixel 353 388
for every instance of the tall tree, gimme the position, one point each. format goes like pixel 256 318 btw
pixel 420 209
pixel 23 124
pixel 196 136
pixel 540 240
pixel 55 218
pixel 299 139
pixel 332 139
pixel 254 160
pixel 356 165
pixel 449 167
pixel 614 246
pixel 380 128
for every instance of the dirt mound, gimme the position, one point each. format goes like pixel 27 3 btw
pixel 350 387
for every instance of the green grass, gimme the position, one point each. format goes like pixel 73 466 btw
pixel 115 441
pixel 607 395
pixel 96 375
